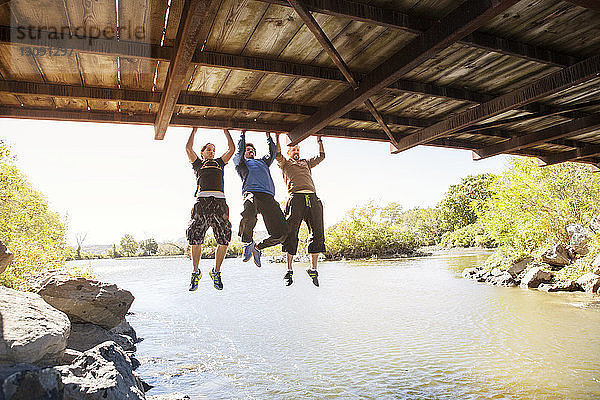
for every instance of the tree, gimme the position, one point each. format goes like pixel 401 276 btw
pixel 149 247
pixel 34 233
pixel 80 238
pixel 462 202
pixel 129 246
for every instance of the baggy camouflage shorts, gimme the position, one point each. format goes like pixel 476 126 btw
pixel 209 212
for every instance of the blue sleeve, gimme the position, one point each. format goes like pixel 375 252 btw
pixel 239 154
pixel 272 150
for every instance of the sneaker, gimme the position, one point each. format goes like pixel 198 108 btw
pixel 256 253
pixel 288 278
pixel 247 253
pixel 195 278
pixel 216 277
pixel 314 275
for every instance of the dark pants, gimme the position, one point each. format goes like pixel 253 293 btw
pixel 305 207
pixel 264 204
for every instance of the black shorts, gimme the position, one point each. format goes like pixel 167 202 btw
pixel 209 212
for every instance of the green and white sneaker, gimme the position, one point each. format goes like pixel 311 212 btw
pixel 195 278
pixel 216 277
pixel 289 277
pixel 314 275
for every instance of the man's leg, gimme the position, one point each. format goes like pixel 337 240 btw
pixel 294 210
pixel 314 220
pixel 248 221
pixel 273 218
pixel 316 227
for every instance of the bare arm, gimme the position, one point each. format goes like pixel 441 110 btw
pixel 189 147
pixel 227 156
pixel 278 155
pixel 316 160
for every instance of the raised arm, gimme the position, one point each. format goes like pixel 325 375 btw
pixel 271 156
pixel 189 147
pixel 227 156
pixel 316 160
pixel 239 154
pixel 278 156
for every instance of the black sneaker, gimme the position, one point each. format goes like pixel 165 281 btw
pixel 314 275
pixel 195 278
pixel 288 278
pixel 216 277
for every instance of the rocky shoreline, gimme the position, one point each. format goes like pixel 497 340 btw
pixel 69 339
pixel 531 273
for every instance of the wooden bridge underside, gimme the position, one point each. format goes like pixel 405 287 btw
pixel 492 76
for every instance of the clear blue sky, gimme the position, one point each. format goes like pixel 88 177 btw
pixel 115 179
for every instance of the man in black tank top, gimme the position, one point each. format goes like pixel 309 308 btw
pixel 210 210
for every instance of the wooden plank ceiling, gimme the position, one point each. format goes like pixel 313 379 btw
pixel 492 76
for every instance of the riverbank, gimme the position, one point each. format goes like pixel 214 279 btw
pixel 562 267
pixel 70 339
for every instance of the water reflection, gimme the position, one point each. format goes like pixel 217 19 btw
pixel 407 328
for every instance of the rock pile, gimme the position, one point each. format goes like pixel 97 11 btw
pixel 69 340
pixel 5 257
pixel 531 274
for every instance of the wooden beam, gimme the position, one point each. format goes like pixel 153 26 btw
pixel 589 150
pixel 590 4
pixel 418 24
pixel 567 129
pixel 208 123
pixel 337 59
pixel 194 27
pixel 236 62
pixel 191 99
pixel 459 23
pixel 545 86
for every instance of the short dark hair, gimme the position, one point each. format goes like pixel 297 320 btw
pixel 251 145
pixel 205 146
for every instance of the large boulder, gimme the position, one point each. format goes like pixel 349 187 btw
pixel 536 276
pixel 86 336
pixel 519 266
pixel 6 257
pixel 32 330
pixel 85 300
pixel 102 373
pixel 124 328
pixel 569 286
pixel 590 282
pixel 579 237
pixel 502 279
pixel 33 384
pixel 557 256
pixel 595 224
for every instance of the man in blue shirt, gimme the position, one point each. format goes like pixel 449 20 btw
pixel 258 190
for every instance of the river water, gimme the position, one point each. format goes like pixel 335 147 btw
pixel 409 328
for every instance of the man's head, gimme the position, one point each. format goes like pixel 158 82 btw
pixel 208 151
pixel 294 152
pixel 250 151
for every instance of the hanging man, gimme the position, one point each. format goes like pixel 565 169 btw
pixel 302 205
pixel 258 191
pixel 211 209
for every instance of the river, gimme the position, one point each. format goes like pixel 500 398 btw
pixel 397 329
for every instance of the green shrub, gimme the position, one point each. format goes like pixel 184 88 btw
pixel 473 235
pixel 34 233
